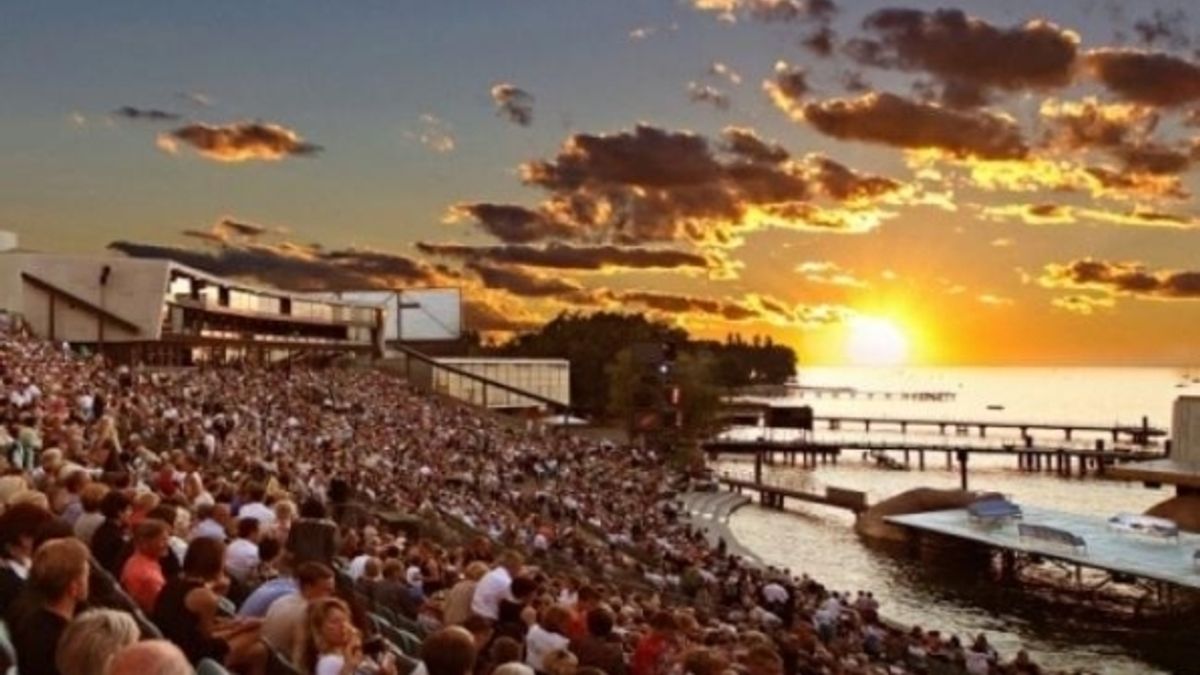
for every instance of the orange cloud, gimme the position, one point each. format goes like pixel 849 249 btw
pixel 239 142
pixel 1131 279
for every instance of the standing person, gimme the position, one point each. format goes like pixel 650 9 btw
pixel 59 578
pixel 457 607
pixel 496 585
pixel 108 542
pixel 142 575
pixel 313 536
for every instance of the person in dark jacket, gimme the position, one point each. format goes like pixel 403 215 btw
pixel 313 537
pixel 18 529
pixel 109 541
pixel 58 586
pixel 598 648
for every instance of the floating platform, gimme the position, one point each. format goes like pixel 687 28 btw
pixel 1167 561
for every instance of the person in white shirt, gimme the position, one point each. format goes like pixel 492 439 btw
pixel 547 636
pixel 241 557
pixel 496 585
pixel 256 509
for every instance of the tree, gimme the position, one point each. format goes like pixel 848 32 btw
pixel 641 389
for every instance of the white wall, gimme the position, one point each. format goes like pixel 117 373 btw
pixel 1185 430
pixel 134 292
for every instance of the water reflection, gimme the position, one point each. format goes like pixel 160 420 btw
pixel 957 595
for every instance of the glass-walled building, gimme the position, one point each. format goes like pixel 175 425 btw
pixel 549 378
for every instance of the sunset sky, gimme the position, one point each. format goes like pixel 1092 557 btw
pixel 935 183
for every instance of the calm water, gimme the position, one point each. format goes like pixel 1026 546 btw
pixel 820 541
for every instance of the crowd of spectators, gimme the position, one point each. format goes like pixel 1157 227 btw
pixel 334 521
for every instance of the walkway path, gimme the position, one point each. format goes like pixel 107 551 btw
pixel 710 511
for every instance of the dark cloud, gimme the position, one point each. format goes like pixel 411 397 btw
pixel 821 41
pixel 842 183
pixel 705 93
pixel 297 267
pixel 239 142
pixel 521 282
pixel 510 223
pixel 567 257
pixel 673 303
pixel 1076 125
pixel 656 185
pixel 148 114
pixel 488 318
pixel 1170 28
pixel 1123 278
pixel 1138 184
pixel 1152 78
pixel 243 228
pixel 1154 158
pixel 745 143
pixel 514 103
pixel 894 120
pixel 966 54
pixel 788 88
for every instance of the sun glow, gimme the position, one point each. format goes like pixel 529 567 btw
pixel 873 341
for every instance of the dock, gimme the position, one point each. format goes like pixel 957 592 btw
pixel 1138 434
pixel 808 452
pixel 774 496
pixel 1123 557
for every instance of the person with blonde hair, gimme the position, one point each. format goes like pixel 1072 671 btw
pixel 560 662
pixel 457 607
pixel 331 645
pixel 92 638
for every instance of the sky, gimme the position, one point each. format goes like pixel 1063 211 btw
pixel 868 182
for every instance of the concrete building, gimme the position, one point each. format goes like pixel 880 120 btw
pixel 1182 468
pixel 161 312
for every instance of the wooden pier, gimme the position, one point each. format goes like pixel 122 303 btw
pixel 1065 461
pixel 773 496
pixel 1142 434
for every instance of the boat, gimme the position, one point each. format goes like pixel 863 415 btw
pixel 1151 526
pixel 885 461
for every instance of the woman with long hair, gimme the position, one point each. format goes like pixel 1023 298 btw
pixel 187 613
pixel 331 645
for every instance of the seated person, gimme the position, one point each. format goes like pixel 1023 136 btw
pixel 187 613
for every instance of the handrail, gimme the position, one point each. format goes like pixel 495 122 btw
pixel 555 406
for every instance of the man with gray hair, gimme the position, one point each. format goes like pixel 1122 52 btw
pixel 91 639
pixel 151 657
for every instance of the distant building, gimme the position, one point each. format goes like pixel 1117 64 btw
pixel 164 313
pixel 1182 467
pixel 547 378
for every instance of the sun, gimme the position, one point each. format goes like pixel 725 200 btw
pixel 873 341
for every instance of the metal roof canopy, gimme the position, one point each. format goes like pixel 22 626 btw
pixel 1107 549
